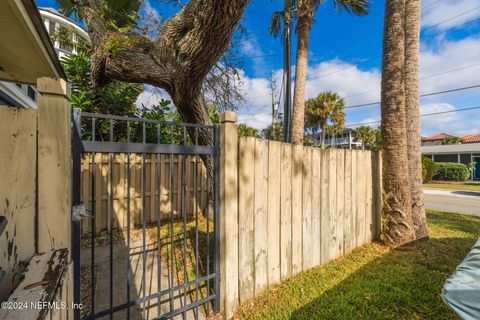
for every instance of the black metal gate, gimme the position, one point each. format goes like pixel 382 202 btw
pixel 145 224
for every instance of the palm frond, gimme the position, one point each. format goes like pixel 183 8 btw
pixel 275 25
pixel 357 7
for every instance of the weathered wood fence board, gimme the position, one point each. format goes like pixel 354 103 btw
pixel 300 207
pixel 261 215
pixel 246 216
pixel 96 166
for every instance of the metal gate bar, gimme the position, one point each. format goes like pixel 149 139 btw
pixel 112 141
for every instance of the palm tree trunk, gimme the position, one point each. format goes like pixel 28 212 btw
pixel 412 95
pixel 322 143
pixel 397 214
pixel 305 12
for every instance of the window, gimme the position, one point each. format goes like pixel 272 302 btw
pixel 31 92
pixel 51 27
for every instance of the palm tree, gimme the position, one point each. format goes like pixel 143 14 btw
pixel 327 110
pixel 397 211
pixel 366 135
pixel 412 96
pixel 450 140
pixel 311 122
pixel 247 131
pixel 273 132
pixel 305 11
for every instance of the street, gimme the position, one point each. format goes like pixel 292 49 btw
pixel 466 202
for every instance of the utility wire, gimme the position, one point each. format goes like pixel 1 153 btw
pixel 377 103
pixel 431 4
pixel 379 55
pixel 425 95
pixel 421 96
pixel 422 115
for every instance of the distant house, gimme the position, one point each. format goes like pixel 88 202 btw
pixel 341 141
pixel 439 137
pixel 465 153
pixel 68 37
pixel 71 39
pixel 435 139
pixel 471 138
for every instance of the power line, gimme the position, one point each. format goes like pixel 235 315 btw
pixel 431 4
pixel 376 103
pixel 424 37
pixel 422 115
pixel 421 96
pixel 255 57
pixel 424 78
pixel 452 18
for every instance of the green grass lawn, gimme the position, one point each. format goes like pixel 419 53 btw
pixel 464 186
pixel 374 282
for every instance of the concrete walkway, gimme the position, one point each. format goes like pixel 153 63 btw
pixel 138 289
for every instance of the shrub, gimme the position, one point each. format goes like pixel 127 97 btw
pixel 429 169
pixel 451 171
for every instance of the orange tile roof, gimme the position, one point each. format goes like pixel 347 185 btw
pixel 471 138
pixel 438 136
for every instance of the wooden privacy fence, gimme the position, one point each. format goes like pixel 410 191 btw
pixel 140 170
pixel 298 207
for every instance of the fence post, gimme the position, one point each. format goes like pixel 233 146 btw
pixel 54 165
pixel 228 213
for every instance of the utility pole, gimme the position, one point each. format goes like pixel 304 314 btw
pixel 274 115
pixel 274 105
pixel 287 66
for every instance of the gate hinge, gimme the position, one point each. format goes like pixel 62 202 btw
pixel 79 212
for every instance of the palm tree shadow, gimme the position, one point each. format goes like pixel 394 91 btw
pixel 405 283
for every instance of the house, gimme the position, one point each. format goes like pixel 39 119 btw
pixel 72 40
pixel 439 137
pixel 68 37
pixel 435 139
pixel 28 222
pixel 465 153
pixel 344 140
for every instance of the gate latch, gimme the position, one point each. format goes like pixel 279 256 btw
pixel 79 212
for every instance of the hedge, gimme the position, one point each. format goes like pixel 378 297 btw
pixel 429 169
pixel 450 171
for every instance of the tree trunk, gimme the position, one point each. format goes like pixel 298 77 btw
pixel 305 11
pixel 397 214
pixel 178 60
pixel 412 98
pixel 322 145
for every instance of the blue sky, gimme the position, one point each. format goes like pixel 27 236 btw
pixel 345 56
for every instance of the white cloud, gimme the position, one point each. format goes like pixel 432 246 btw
pixel 346 79
pixel 349 80
pixel 451 55
pixel 151 96
pixel 449 13
pixel 456 123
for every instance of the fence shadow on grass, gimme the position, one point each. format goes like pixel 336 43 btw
pixel 405 283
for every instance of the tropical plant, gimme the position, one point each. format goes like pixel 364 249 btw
pixel 273 132
pixel 452 171
pixel 247 131
pixel 326 111
pixel 366 135
pixel 450 140
pixel 115 98
pixel 304 12
pixel 397 207
pixel 429 169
